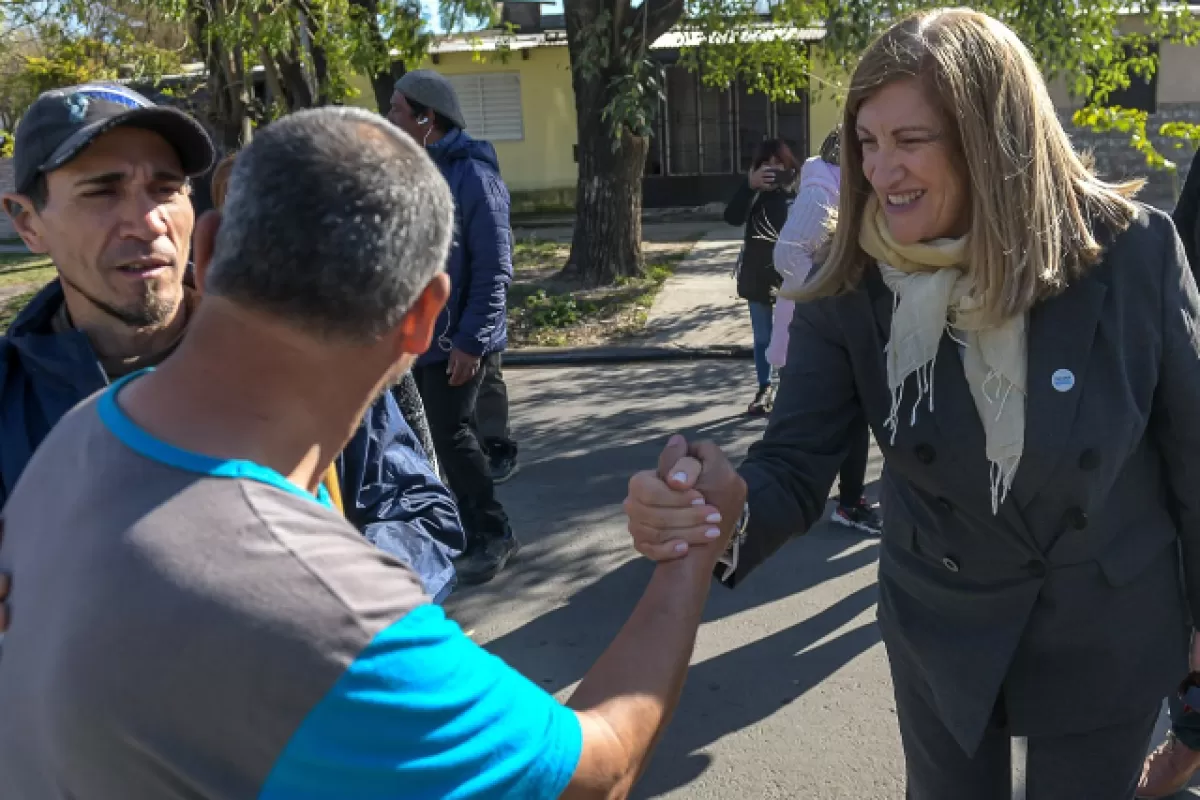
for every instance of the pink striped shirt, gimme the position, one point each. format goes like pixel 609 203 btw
pixel 799 239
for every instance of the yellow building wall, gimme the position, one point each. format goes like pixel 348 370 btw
pixel 545 158
pixel 825 100
pixel 544 161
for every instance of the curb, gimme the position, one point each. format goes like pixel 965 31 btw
pixel 533 223
pixel 576 356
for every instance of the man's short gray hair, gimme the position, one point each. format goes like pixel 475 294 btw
pixel 335 221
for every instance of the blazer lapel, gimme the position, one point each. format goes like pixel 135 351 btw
pixel 953 406
pixel 1061 332
pixel 882 302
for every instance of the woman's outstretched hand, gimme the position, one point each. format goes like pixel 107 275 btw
pixel 693 499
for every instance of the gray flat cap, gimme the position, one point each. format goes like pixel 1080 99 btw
pixel 432 90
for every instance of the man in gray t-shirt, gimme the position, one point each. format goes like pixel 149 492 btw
pixel 191 619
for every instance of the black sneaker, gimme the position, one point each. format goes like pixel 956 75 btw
pixel 483 562
pixel 504 466
pixel 860 517
pixel 763 402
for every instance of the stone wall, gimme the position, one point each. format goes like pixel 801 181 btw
pixel 1116 159
pixel 6 185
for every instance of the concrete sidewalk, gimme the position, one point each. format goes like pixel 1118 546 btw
pixel 698 307
pixel 696 315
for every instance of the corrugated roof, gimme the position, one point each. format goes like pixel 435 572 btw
pixel 491 41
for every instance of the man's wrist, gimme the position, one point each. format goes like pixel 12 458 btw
pixel 739 527
pixel 743 506
pixel 694 569
pixel 467 351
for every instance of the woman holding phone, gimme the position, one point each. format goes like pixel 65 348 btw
pixel 761 206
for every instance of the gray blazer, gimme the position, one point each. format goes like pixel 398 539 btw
pixel 1068 603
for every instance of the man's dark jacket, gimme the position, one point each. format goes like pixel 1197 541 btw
pixel 389 490
pixel 480 264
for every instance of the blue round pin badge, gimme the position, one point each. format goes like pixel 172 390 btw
pixel 1063 380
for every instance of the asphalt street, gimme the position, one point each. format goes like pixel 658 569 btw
pixel 789 694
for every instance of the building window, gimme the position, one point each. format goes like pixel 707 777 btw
pixel 706 131
pixel 1141 94
pixel 491 104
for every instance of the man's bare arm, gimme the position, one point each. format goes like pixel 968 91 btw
pixel 626 700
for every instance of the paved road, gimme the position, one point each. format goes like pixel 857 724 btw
pixel 789 695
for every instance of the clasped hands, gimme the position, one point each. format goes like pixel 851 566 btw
pixel 690 504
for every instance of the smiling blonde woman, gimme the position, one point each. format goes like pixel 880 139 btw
pixel 1021 338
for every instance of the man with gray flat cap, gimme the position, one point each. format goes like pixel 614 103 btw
pixel 472 330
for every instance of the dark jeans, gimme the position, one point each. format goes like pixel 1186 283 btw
pixel 853 476
pixel 450 410
pixel 491 409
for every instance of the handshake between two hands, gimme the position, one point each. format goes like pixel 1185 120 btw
pixel 691 502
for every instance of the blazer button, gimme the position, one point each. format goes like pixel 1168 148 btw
pixel 950 564
pixel 1036 568
pixel 1089 459
pixel 945 505
pixel 1075 518
pixel 924 453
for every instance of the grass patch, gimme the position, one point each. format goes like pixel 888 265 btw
pixel 11 306
pixel 21 268
pixel 546 309
pixel 21 276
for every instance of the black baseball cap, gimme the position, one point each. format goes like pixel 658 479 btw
pixel 61 123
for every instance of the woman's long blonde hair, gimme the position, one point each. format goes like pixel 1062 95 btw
pixel 1034 202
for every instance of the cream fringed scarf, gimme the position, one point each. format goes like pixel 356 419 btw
pixel 932 294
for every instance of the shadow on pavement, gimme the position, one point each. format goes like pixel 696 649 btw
pixel 591 433
pixel 741 688
pixel 731 691
pixel 712 319
pixel 557 648
pixel 583 432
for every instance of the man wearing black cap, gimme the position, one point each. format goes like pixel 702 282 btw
pixel 473 330
pixel 88 155
pixel 102 186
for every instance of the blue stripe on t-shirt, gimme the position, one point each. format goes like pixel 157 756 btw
pixel 154 449
pixel 424 713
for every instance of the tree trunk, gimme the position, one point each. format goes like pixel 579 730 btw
pixel 228 110
pixel 384 85
pixel 607 241
pixel 383 81
pixel 296 84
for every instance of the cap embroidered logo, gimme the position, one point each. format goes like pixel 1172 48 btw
pixel 77 106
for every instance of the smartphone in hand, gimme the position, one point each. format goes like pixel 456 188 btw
pixel 781 177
